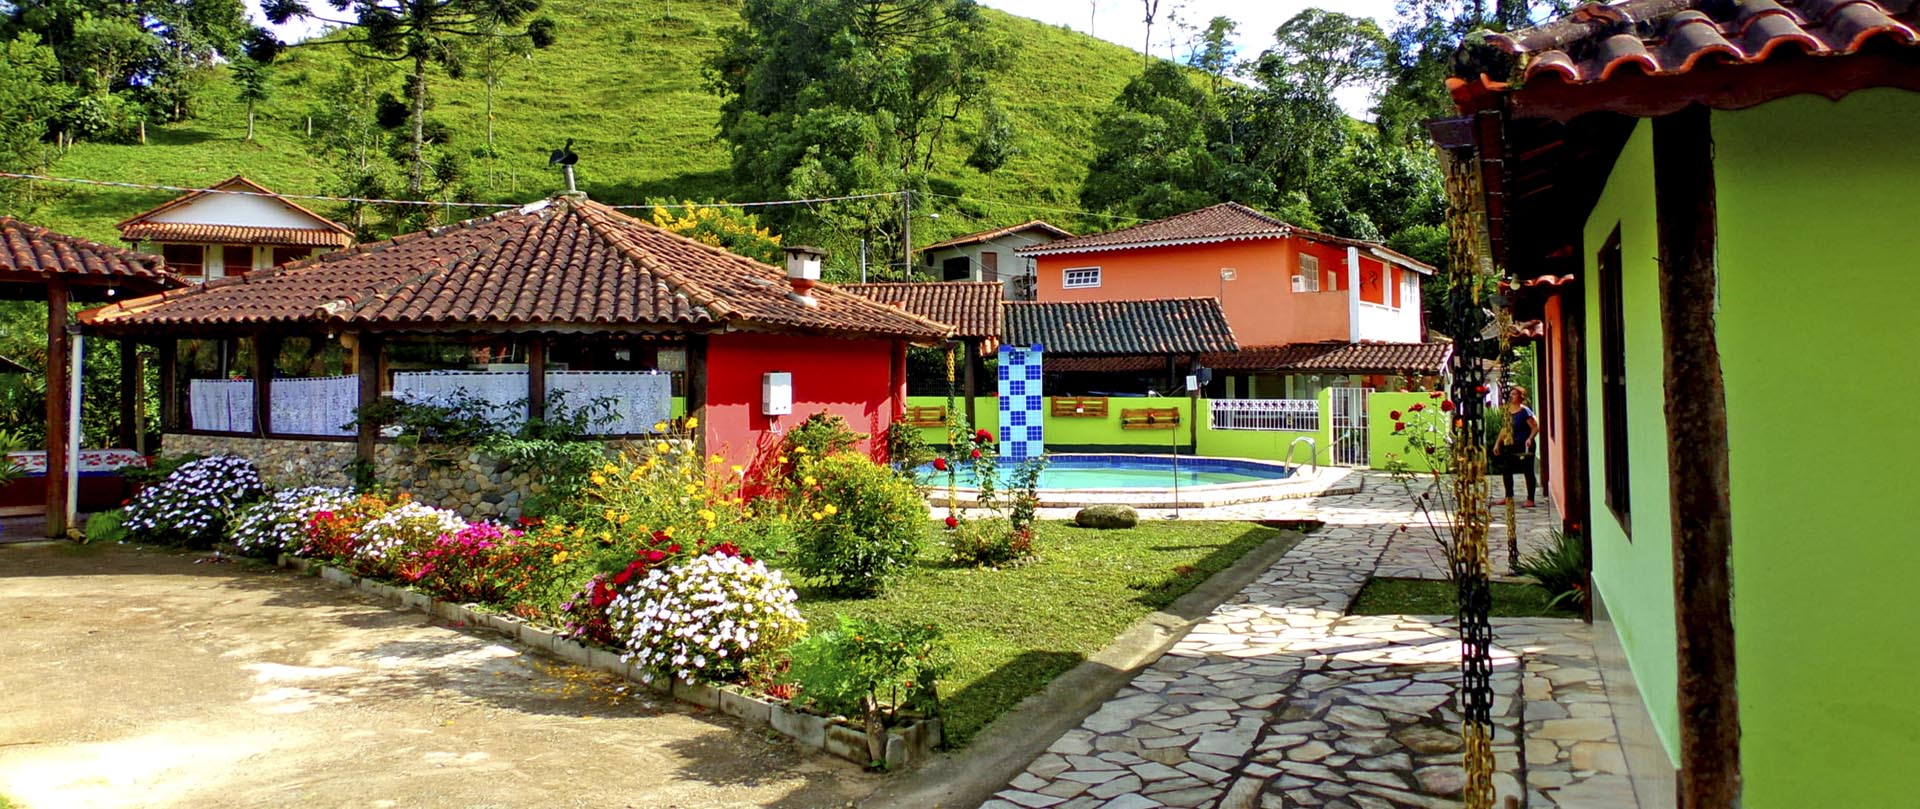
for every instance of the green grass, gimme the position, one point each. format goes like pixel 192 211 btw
pixel 1014 630
pixel 1384 596
pixel 625 81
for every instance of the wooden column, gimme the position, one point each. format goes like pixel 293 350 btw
pixel 266 355
pixel 697 389
pixel 366 365
pixel 537 377
pixel 970 384
pixel 1696 410
pixel 58 356
pixel 132 395
pixel 167 355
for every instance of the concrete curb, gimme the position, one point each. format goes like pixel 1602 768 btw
pixel 904 746
pixel 1003 749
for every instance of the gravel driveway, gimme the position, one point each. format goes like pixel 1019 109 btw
pixel 138 677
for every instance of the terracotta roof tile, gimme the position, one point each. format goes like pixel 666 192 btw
pixel 1159 326
pixel 233 234
pixel 236 183
pixel 1228 221
pixel 1312 358
pixel 564 262
pixel 990 235
pixel 28 248
pixel 1596 41
pixel 971 307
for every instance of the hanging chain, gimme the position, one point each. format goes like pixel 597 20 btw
pixel 1468 272
pixel 953 443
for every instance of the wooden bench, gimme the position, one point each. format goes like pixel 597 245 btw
pixel 1150 418
pixel 929 416
pixel 1072 407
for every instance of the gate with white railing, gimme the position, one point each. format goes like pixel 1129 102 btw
pixel 1349 423
pixel 1273 415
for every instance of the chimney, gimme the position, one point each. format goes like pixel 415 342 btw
pixel 803 271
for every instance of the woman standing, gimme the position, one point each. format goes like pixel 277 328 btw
pixel 1515 446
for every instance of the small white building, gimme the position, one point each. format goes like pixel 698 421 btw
pixel 232 228
pixel 989 256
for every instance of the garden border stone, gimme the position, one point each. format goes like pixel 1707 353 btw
pixel 904 746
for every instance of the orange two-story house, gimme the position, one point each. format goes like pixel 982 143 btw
pixel 1287 292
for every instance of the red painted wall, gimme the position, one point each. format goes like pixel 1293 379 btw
pixel 1553 418
pixel 858 380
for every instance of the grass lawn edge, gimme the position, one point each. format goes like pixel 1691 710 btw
pixel 1001 750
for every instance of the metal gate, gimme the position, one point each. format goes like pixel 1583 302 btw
pixel 1349 406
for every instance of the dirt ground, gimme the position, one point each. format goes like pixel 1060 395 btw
pixel 137 677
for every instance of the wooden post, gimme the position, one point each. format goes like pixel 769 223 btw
pixel 536 377
pixel 971 385
pixel 57 426
pixel 1193 411
pixel 366 361
pixel 167 353
pixel 1696 410
pixel 266 356
pixel 132 397
pixel 697 390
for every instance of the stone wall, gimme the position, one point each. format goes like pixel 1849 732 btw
pixel 283 463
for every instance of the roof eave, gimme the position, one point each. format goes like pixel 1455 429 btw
pixel 1049 250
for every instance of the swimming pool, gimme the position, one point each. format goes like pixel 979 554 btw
pixel 1125 472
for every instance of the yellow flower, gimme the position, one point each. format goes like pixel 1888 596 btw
pixel 816 516
pixel 560 557
pixel 783 459
pixel 809 480
pixel 662 448
pixel 659 426
pixel 716 458
pixel 598 479
pixel 799 450
pixel 693 487
pixel 693 422
pixel 610 516
pixel 667 530
pixel 831 509
pixel 737 469
pixel 706 514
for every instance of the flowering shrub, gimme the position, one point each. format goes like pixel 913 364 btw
pixel 991 542
pixel 392 543
pixel 483 562
pixel 334 533
pixel 871 668
pixel 863 524
pixel 707 619
pixel 279 523
pixel 193 505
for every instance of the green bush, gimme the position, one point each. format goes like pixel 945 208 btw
pixel 906 448
pixel 821 435
pixel 1561 568
pixel 106 526
pixel 861 524
pixel 992 542
pixel 865 667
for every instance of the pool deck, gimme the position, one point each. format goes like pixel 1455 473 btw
pixel 1303 483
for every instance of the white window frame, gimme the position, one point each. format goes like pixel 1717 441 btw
pixel 1305 279
pixel 1067 282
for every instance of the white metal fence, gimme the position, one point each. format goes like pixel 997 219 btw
pixel 1350 425
pixel 1275 415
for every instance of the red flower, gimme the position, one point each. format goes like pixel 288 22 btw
pixel 953 522
pixel 1417 407
pixel 1399 426
pixel 674 548
pixel 653 557
pixel 1434 395
pixel 940 464
pixel 1479 389
pixel 529 521
pixel 1393 414
pixel 983 436
pixel 1446 406
pixel 975 455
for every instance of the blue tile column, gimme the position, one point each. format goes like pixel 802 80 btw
pixel 1022 404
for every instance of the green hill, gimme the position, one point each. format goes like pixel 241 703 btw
pixel 625 81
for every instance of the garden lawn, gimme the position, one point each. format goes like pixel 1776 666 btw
pixel 1014 630
pixel 1383 596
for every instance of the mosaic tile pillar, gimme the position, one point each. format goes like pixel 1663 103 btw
pixel 1022 405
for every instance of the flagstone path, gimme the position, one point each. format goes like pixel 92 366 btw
pixel 1281 699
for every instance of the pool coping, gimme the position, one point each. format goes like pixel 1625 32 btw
pixel 1321 481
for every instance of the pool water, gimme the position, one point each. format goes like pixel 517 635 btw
pixel 1123 472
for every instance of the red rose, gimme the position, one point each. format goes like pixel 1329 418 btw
pixel 1417 407
pixel 674 548
pixel 1399 426
pixel 1393 414
pixel 953 522
pixel 1434 395
pixel 940 464
pixel 975 455
pixel 983 435
pixel 1446 406
pixel 1479 389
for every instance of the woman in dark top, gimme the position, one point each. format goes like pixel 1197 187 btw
pixel 1516 443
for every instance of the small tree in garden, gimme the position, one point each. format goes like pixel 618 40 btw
pixel 1427 428
pixel 882 672
pixel 1007 535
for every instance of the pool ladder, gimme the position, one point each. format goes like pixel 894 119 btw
pixel 1313 453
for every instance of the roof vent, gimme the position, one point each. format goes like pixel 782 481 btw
pixel 803 271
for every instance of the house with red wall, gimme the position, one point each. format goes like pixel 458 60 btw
pixel 1286 290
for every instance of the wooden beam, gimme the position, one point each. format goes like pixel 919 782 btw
pixel 131 394
pixel 58 357
pixel 266 356
pixel 1696 411
pixel 697 390
pixel 970 384
pixel 167 353
pixel 537 377
pixel 366 362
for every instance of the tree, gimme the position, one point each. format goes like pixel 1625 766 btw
pixel 421 33
pixel 491 57
pixel 1213 50
pixel 253 81
pixel 846 97
pixel 1318 53
pixel 31 95
pixel 1152 7
pixel 1152 155
pixel 149 52
pixel 348 132
pixel 723 226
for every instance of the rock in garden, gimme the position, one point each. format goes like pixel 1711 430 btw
pixel 1107 517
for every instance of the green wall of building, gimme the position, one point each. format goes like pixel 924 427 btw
pixel 1082 431
pixel 1817 314
pixel 1634 576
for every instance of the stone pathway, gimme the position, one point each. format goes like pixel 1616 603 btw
pixel 1281 699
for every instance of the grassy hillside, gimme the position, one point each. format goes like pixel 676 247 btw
pixel 625 81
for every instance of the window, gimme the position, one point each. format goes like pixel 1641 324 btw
pixel 1306 277
pixel 1613 383
pixel 1081 278
pixel 237 258
pixel 288 255
pixel 956 269
pixel 185 259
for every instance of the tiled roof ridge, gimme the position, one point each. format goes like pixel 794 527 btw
pixel 1076 302
pixel 995 233
pixel 1129 236
pixel 237 179
pixel 597 215
pixel 920 284
pixel 150 262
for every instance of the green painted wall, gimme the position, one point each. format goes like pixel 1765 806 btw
pixel 1635 576
pixel 986 409
pixel 1383 446
pixel 1107 432
pixel 1817 217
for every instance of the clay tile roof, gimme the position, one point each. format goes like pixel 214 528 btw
pixel 990 235
pixel 1597 42
pixel 141 227
pixel 1312 358
pixel 1160 326
pixel 971 307
pixel 566 262
pixel 1223 222
pixel 32 249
